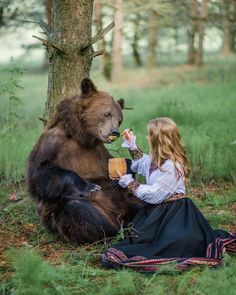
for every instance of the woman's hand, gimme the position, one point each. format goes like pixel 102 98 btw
pixel 129 140
pixel 125 179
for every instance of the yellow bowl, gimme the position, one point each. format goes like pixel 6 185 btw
pixel 115 164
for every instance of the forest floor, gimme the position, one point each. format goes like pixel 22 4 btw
pixel 32 260
pixel 202 102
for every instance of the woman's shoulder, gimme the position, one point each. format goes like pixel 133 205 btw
pixel 169 165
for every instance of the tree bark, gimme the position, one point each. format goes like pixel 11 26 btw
pixel 136 55
pixel 48 11
pixel 99 25
pixel 117 41
pixel 48 8
pixel 1 16
pixel 104 60
pixel 201 31
pixel 152 54
pixel 233 35
pixel 69 48
pixel 227 47
pixel 192 33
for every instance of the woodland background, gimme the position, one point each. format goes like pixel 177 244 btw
pixel 165 58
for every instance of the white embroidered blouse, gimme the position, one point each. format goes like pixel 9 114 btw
pixel 160 183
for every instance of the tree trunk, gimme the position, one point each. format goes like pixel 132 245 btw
pixel 201 31
pixel 48 10
pixel 99 25
pixel 192 33
pixel 152 54
pixel 136 55
pixel 107 65
pixel 1 16
pixel 117 41
pixel 227 31
pixel 233 28
pixel 70 50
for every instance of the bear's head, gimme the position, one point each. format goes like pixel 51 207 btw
pixel 90 117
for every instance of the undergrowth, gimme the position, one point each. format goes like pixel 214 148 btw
pixel 34 276
pixel 41 263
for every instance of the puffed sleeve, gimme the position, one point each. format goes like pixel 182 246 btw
pixel 141 161
pixel 165 185
pixel 141 165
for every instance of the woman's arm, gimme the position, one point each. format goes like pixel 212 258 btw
pixel 140 161
pixel 165 185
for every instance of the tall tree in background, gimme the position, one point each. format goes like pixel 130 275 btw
pixel 152 54
pixel 105 58
pixel 1 16
pixel 117 41
pixel 98 23
pixel 198 18
pixel 135 40
pixel 157 14
pixel 203 13
pixel 192 32
pixel 229 26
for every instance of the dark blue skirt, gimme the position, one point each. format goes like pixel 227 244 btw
pixel 173 233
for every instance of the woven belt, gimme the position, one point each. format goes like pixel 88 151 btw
pixel 175 197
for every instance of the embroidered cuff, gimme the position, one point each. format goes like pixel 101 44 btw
pixel 125 180
pixel 132 186
pixel 136 154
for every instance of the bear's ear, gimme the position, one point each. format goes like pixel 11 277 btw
pixel 87 87
pixel 121 102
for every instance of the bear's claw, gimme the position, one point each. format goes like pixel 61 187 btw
pixel 96 188
pixel 92 187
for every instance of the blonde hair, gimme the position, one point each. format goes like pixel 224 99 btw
pixel 165 143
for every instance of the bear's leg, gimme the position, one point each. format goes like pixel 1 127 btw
pixel 80 222
pixel 50 183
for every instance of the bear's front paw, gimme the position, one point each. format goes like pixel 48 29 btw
pixel 92 188
pixel 95 188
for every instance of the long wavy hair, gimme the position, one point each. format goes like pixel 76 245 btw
pixel 165 143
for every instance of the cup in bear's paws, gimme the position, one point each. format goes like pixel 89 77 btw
pixel 115 164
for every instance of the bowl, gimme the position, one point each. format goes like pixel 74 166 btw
pixel 115 164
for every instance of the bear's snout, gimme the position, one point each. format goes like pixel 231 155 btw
pixel 115 132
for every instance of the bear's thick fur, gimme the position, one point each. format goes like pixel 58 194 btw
pixel 68 174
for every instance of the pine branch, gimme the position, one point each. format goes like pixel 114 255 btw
pixel 102 32
pixel 44 26
pixel 49 44
pixel 99 35
pixel 98 52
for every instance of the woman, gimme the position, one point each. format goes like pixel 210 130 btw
pixel 169 229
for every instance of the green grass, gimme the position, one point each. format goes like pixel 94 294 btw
pixel 201 101
pixel 14 151
pixel 77 270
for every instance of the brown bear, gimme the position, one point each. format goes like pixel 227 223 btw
pixel 68 169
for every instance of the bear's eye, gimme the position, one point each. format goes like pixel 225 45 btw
pixel 108 114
